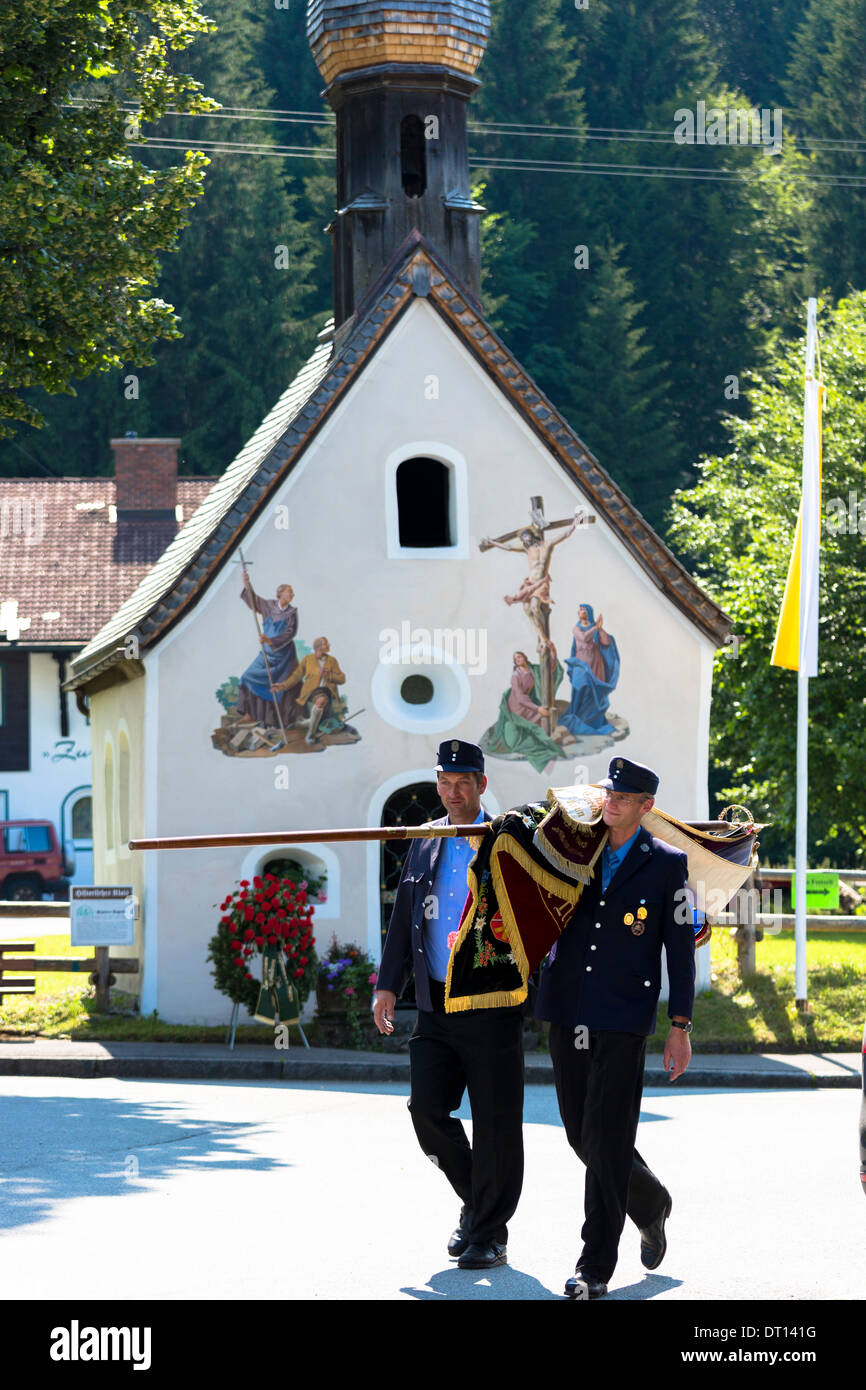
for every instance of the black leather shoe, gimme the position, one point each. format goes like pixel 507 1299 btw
pixel 582 1286
pixel 653 1241
pixel 461 1238
pixel 483 1255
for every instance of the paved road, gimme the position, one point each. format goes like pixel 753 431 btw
pixel 136 1189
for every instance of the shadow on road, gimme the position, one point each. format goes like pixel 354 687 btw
pixel 59 1148
pixel 496 1286
pixel 647 1287
pixel 507 1283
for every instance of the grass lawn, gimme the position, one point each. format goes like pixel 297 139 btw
pixel 756 1015
pixel 64 1006
pixel 759 1014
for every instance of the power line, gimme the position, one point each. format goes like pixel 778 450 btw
pixel 657 170
pixel 237 147
pixel 513 164
pixel 518 129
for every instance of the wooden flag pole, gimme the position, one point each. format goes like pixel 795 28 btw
pixel 302 837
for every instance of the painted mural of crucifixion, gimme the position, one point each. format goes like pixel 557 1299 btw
pixel 534 592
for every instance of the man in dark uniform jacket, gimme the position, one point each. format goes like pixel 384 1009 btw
pixel 599 990
pixel 480 1050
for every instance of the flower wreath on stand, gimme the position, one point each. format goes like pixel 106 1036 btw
pixel 269 917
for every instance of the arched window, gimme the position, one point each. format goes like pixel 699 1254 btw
pixel 81 820
pixel 413 156
pixel 109 796
pixel 424 503
pixel 123 788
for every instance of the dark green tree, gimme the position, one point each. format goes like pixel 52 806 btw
pixel 535 219
pixel 753 46
pixel 82 220
pixel 826 91
pixel 288 67
pixel 737 528
pixel 718 291
pixel 240 281
pixel 639 59
pixel 620 392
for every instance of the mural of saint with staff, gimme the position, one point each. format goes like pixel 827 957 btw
pixel 288 698
pixel 257 701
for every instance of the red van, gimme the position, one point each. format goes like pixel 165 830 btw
pixel 33 861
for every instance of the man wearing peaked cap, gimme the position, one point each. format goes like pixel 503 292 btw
pixel 599 991
pixel 480 1051
pixel 625 776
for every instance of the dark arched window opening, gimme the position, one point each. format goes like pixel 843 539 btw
pixel 424 503
pixel 412 805
pixel 413 156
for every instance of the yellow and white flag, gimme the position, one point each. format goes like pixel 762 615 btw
pixel 796 645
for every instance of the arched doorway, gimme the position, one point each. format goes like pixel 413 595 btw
pixel 76 824
pixel 409 805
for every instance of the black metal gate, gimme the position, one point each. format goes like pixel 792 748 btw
pixel 411 805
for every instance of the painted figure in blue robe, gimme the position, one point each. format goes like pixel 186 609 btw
pixel 279 621
pixel 593 669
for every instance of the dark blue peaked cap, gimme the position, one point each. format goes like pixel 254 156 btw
pixel 625 776
pixel 454 756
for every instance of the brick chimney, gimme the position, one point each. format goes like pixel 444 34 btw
pixel 145 473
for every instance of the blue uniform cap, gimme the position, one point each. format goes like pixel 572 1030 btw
pixel 454 756
pixel 626 776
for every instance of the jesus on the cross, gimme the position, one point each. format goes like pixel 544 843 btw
pixel 534 592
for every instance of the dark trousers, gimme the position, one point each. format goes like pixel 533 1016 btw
pixel 599 1091
pixel 480 1051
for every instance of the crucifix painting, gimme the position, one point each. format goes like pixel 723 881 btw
pixel 532 724
pixel 534 592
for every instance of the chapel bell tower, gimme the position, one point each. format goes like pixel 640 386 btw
pixel 399 77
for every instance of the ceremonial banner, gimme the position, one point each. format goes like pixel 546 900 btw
pixel 530 870
pixel 524 883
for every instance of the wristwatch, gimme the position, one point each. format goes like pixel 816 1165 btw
pixel 676 1023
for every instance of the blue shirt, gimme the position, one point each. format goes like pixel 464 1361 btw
pixel 612 858
pixel 450 890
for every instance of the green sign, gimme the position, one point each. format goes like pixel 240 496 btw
pixel 822 890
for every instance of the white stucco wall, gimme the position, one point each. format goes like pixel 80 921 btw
pixel 117 717
pixel 335 554
pixel 60 766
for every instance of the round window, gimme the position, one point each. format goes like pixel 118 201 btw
pixel 421 689
pixel 417 690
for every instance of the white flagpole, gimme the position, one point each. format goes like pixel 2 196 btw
pixel 808 649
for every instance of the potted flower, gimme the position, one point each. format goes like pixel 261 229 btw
pixel 270 917
pixel 345 981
